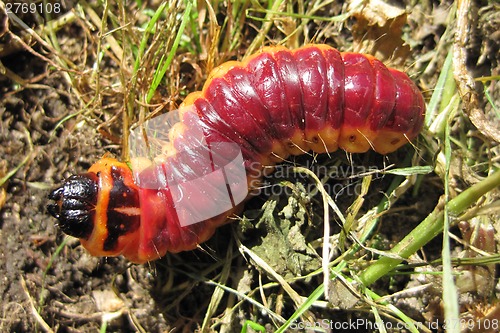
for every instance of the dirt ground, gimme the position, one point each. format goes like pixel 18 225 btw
pixel 50 283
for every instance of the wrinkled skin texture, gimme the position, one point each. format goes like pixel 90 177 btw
pixel 274 104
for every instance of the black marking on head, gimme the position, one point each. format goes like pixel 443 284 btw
pixel 74 206
pixel 123 210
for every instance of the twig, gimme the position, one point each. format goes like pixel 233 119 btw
pixel 465 81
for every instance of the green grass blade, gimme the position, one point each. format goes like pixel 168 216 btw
pixel 164 65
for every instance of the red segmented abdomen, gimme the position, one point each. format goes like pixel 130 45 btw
pixel 274 104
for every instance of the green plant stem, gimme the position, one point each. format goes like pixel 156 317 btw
pixel 427 229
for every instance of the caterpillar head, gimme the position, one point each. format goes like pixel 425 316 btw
pixel 101 207
pixel 74 206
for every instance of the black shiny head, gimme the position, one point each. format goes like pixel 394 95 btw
pixel 74 205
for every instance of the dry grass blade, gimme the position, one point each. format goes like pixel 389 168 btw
pixel 33 309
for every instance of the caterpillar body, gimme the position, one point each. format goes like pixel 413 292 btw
pixel 249 116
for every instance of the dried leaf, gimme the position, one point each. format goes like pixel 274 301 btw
pixel 378 30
